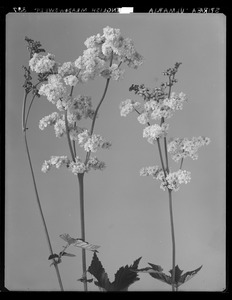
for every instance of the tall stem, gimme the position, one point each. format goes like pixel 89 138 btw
pixel 24 124
pixel 81 191
pixel 81 199
pixel 170 200
pixel 161 157
pixel 97 109
pixel 173 239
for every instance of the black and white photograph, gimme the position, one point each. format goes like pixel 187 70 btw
pixel 115 152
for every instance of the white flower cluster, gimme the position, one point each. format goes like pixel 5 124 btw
pixel 55 119
pixel 56 161
pixel 75 167
pixel 123 48
pixel 79 167
pixel 42 63
pixel 155 171
pixel 128 106
pixel 54 89
pixel 153 132
pixel 175 102
pixel 183 147
pixel 113 72
pixel 49 120
pixel 67 68
pixel 101 49
pixel 164 108
pixel 71 80
pixel 92 142
pixel 79 107
pixel 172 180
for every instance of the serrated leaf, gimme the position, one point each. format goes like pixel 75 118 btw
pixel 162 277
pixel 97 270
pixel 157 268
pixel 79 243
pixel 178 273
pixel 155 271
pixel 124 277
pixel 188 275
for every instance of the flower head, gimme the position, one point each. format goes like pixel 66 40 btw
pixel 111 46
pixel 49 120
pixel 92 142
pixel 183 147
pixel 42 63
pixel 154 171
pixel 174 179
pixel 68 68
pixel 77 167
pixel 71 80
pixel 153 132
pixel 54 89
pixel 128 106
pixel 95 164
pixel 56 161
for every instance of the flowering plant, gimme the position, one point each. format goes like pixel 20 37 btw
pixel 104 56
pixel 160 104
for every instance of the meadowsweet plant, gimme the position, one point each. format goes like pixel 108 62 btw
pixel 159 105
pixel 104 56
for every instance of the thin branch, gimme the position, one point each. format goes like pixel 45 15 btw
pixel 173 239
pixel 97 109
pixel 24 123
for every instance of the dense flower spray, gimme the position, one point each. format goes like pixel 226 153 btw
pixel 160 104
pixel 104 56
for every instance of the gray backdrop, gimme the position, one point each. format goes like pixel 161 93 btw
pixel 126 214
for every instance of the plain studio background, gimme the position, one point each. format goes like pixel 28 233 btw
pixel 126 214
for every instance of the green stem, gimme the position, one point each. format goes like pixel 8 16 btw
pixel 81 197
pixel 97 109
pixel 81 191
pixel 161 157
pixel 29 108
pixel 68 136
pixel 166 154
pixel 173 239
pixel 170 200
pixel 181 163
pixel 24 124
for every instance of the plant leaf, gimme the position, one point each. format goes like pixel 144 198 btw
pixel 157 268
pixel 155 271
pixel 67 254
pixel 67 238
pixel 79 243
pixel 188 275
pixel 124 277
pixel 97 270
pixel 53 256
pixel 178 273
pixel 85 245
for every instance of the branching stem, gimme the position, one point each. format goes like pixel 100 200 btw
pixel 24 129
